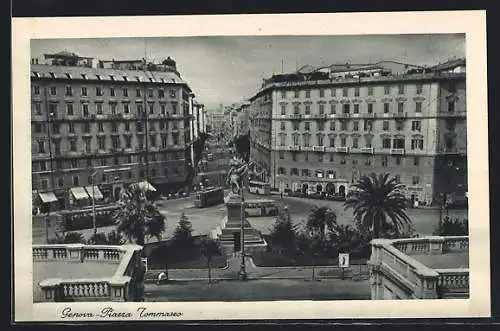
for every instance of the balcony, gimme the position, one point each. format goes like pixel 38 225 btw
pixel 318 148
pixel 307 148
pixel 455 114
pixel 342 149
pixel 400 115
pixel 294 148
pixel 366 150
pixel 397 151
pixel 76 272
pixel 452 150
pixel 424 268
pixel 295 117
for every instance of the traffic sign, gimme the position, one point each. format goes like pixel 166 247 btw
pixel 344 260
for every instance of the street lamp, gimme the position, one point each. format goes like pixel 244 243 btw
pixel 242 274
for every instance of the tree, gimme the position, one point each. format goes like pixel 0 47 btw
pixel 284 233
pixel 115 238
pixel 68 238
pixel 183 233
pixel 449 227
pixel 98 239
pixel 320 220
pixel 242 144
pixel 209 248
pixel 378 203
pixel 138 217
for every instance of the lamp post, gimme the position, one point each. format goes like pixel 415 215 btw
pixel 242 274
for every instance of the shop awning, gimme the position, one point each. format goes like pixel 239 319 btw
pixel 48 197
pixel 145 185
pixel 79 193
pixel 91 190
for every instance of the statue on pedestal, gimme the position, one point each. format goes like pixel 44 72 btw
pixel 235 175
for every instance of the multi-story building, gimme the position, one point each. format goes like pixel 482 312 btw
pixel 240 118
pixel 322 130
pixel 106 127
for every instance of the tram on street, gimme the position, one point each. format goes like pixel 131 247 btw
pixel 260 188
pixel 209 197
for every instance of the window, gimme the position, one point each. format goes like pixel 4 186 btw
pixel 71 127
pixel 451 106
pixel 321 109
pixel 86 127
pixel 103 162
pixel 416 126
pixel 387 89
pixel 307 126
pixel 283 109
pixel 386 107
pixel 401 89
pixel 38 108
pixel 342 160
pixel 295 138
pixel 174 108
pixel 69 91
pixel 356 108
pixel 320 126
pixel 138 92
pixel 74 164
pixel 416 161
pixel 333 92
pixel 294 158
pixel 332 125
pixel 383 161
pixel 115 141
pixel 163 109
pixel 53 109
pixel 164 141
pixel 69 109
pixel 114 127
pixel 296 94
pixel 368 125
pixel 296 109
pixel 307 139
pixel 331 159
pixel 355 142
pixel 321 93
pixel 113 108
pixel 308 109
pixel 72 144
pixel 98 108
pixel 151 107
pixel 150 93
pixel 370 108
pixel 85 109
pixel 347 108
pixel 332 141
pixel 175 138
pixel 282 155
pixel 41 146
pixel 333 108
pixel 419 88
pixel 386 143
pixel 55 128
pixel 125 92
pixel 38 127
pixel 126 108
pixel 308 94
pixel 60 182
pixel 161 93
pixel 345 92
pixel 415 180
pixel 343 141
pixel 401 106
pixel 296 126
pixel 400 125
pixel 368 142
pixel 418 107
pixel 98 91
pixel 370 90
pixel 173 93
pixel 152 126
pixel 283 126
pixel 320 140
pixel 397 177
pixel 343 125
pixel 100 127
pixel 356 91
pixel 452 87
pixel 86 141
pixel 53 90
pixel 305 172
pixel 112 91
pixel 417 143
pixel 36 89
pixel 76 181
pixel 355 126
pixel 397 160
pixel 368 161
pixel 385 125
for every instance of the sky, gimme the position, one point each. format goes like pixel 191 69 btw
pixel 229 69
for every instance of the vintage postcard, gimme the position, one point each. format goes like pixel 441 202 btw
pixel 251 167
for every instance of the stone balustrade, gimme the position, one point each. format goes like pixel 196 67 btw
pixel 119 286
pixel 392 263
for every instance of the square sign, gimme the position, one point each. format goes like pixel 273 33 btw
pixel 343 260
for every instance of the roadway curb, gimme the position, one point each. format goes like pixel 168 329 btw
pixel 319 278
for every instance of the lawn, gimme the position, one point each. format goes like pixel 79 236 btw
pixel 259 290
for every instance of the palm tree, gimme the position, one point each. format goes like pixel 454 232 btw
pixel 320 219
pixel 138 217
pixel 68 238
pixel 378 203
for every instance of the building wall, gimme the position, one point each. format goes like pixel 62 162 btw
pixel 72 140
pixel 411 110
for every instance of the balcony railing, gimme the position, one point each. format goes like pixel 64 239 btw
pixel 453 150
pixel 319 148
pixel 115 287
pixel 294 148
pixel 397 151
pixel 342 149
pixel 367 150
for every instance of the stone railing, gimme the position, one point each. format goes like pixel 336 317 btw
pixel 119 286
pixel 392 259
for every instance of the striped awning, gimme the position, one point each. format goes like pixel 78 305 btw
pixel 145 185
pixel 48 197
pixel 79 193
pixel 91 190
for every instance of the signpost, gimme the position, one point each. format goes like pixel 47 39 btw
pixel 343 262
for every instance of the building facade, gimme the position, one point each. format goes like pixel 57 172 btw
pixel 107 127
pixel 321 133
